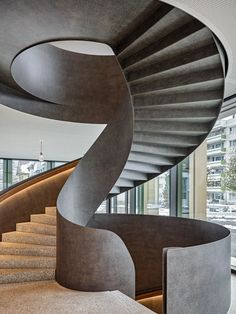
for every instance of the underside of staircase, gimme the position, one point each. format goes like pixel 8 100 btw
pixel 29 253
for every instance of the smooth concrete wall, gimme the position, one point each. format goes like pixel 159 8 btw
pixel 201 264
pixel 197 279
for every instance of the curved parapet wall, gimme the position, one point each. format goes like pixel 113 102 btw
pixel 97 83
pixel 197 279
pixel 188 259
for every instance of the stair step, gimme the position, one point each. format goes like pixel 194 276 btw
pixel 44 219
pixel 34 227
pixel 133 175
pixel 173 20
pixel 17 261
pixel 115 190
pixel 167 127
pixel 176 81
pixel 9 248
pixel 177 35
pixel 200 99
pixel 179 114
pixel 166 139
pixel 202 56
pixel 158 15
pixel 26 237
pixel 164 150
pixel 51 211
pixel 26 275
pixel 142 167
pixel 122 182
pixel 151 159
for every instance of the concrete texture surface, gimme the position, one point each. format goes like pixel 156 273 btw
pixel 232 309
pixel 49 297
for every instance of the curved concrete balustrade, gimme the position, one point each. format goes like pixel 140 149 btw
pixel 94 90
pixel 188 259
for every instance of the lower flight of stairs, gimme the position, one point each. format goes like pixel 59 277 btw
pixel 29 253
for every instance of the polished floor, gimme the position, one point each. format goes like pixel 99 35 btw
pixel 49 297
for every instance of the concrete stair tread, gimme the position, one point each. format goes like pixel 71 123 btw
pixel 52 210
pixel 146 53
pixel 27 237
pixel 151 158
pixel 166 139
pixel 144 28
pixel 164 150
pixel 25 275
pixel 22 261
pixel 14 248
pixel 204 55
pixel 43 218
pixel 194 99
pixel 35 227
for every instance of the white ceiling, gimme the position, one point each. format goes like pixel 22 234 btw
pixel 20 136
pixel 220 17
pixel 84 47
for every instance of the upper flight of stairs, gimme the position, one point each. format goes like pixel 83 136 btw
pixel 174 72
pixel 29 253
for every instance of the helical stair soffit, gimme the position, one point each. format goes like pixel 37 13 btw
pixel 159 95
pixel 219 16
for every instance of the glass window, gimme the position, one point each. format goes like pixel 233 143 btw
pixel 152 198
pixel 23 169
pixel 102 208
pixel 121 203
pixel 55 164
pixel 1 174
pixel 183 188
pixel 221 182
pixel 13 171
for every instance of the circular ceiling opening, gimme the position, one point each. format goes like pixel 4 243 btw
pixel 84 47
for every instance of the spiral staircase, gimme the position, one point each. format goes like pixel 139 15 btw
pixel 169 68
pixel 174 73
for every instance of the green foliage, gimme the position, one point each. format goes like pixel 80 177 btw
pixel 228 179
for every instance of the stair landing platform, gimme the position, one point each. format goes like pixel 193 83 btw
pixel 49 297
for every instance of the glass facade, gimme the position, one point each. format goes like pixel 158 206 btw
pixel 183 175
pixel 13 171
pixel 1 175
pixel 151 198
pixel 221 177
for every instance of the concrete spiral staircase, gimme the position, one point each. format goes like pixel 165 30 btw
pixel 29 253
pixel 174 72
pixel 175 76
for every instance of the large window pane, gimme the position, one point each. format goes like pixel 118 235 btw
pixel 221 177
pixel 183 188
pixel 152 198
pixel 23 169
pixel 1 174
pixel 13 171
pixel 121 203
pixel 102 208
